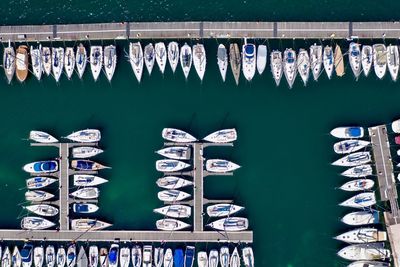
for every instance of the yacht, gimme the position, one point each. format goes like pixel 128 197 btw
pixel 213 259
pixel 42 137
pixel 355 59
pixel 113 255
pixel 366 59
pixel 358 185
pixel 328 61
pixel 362 200
pixel 47 166
pixel 358 218
pixel 88 225
pixel 177 136
pixel 88 180
pixel 26 255
pixel 276 66
pixel 50 256
pixel 186 59
pixel 16 258
pixel 69 62
pixel 168 258
pixel 42 210
pixel 137 256
pixel 39 182
pixel 172 195
pixel 362 235
pixel 175 152
pixel 374 251
pixel 348 132
pixel 379 59
pixel 161 56
pixel 38 256
pixel 82 259
pixel 290 66
pixel 220 165
pixel 223 209
pixel 173 182
pixel 124 257
pixel 202 259
pixel 235 259
pixel 393 63
pixel 96 60
pixel 339 63
pixel 175 211
pixel 261 58
pixel 71 255
pixel 354 159
pixel 248 257
pixel 316 60
pixel 103 259
pixel 136 59
pixel 168 224
pixel 22 63
pixel 149 57
pixel 36 58
pixel 349 146
pixel 85 136
pixel 230 224
pixel 57 60
pixel 110 61
pixel 178 258
pixel 37 196
pixel 235 61
pixel 222 61
pixel 82 152
pixel 9 62
pixel 224 256
pixel 147 253
pixel 158 256
pixel 81 60
pixel 369 264
pixel 6 258
pixel 93 256
pixel 170 165
pixel 303 65
pixel 61 257
pixel 173 55
pixel 86 193
pixel 87 165
pixel 189 256
pixel 199 60
pixel 84 208
pixel 358 171
pixel 222 136
pixel 249 60
pixel 46 60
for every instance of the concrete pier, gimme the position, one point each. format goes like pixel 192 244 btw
pixel 64 186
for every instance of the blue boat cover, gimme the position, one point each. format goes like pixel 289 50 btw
pixel 355 132
pixel 45 166
pixel 112 257
pixel 81 208
pixel 178 258
pixel 249 49
pixel 26 252
pixel 84 165
pixel 189 256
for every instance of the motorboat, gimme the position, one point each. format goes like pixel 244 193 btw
pixel 220 165
pixel 249 60
pixel 224 256
pixel 137 256
pixel 261 58
pixel 223 209
pixel 175 211
pixel 113 254
pixel 170 165
pixel 57 60
pixel 16 260
pixel 339 62
pixel 172 195
pixel 103 257
pixel 348 132
pixel 85 152
pixel 47 166
pixel 235 61
pixel 50 256
pixel 110 61
pixel 222 136
pixel 189 256
pixel 276 66
pixel 86 193
pixel 362 235
pixel 87 165
pixel 61 257
pixel 303 65
pixel 358 218
pixel 379 60
pixel 26 255
pixel 186 59
pixel 172 182
pixel 124 257
pixel 69 62
pixel 177 136
pixel 39 182
pixel 178 257
pixel 36 58
pixel 235 258
pixel 354 159
pixel 358 185
pixel 38 256
pixel 175 152
pixel 71 255
pixel 42 137
pixel 366 59
pixel 230 224
pixel 222 61
pixel 136 59
pixel 355 59
pixel 88 180
pixel 248 257
pixel 81 60
pixel 85 136
pixel 46 60
pixel 173 55
pixel 37 195
pixel 213 258
pixel 88 225
pixel 96 61
pixel 93 256
pixel 84 208
pixel 362 200
pixel 289 66
pixel 6 258
pixel 82 259
pixel 161 56
pixel 9 62
pixel 149 57
pixel 202 259
pixel 169 224
pixel 22 63
pixel 328 61
pixel 373 251
pixel 393 61
pixel 199 60
pixel 147 256
pixel 42 210
pixel 396 126
pixel 350 146
pixel 158 257
pixel 369 264
pixel 358 171
pixel 168 258
pixel 316 60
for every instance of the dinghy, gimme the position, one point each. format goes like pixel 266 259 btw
pixel 189 256
pixel 231 224
pixel 362 200
pixel 175 152
pixel 38 256
pixel 328 61
pixel 57 60
pixel 177 136
pixel 9 62
pixel 96 61
pixel 36 58
pixel 87 165
pixel 224 256
pixel 358 185
pixel 42 210
pixel 222 136
pixel 173 55
pixel 366 59
pixel 161 56
pixel 41 137
pixel 137 256
pixel 186 59
pixel 358 171
pixel 358 218
pixel 136 59
pixel 202 259
pixel 46 60
pixel 354 159
pixel 39 182
pixel 374 251
pixel 147 253
pixel 362 235
pixel 213 259
pixel 88 225
pixel 35 223
pixel 16 260
pixel 235 61
pixel 248 257
pixel 86 193
pixel 168 224
pixel 348 132
pixel 276 66
pixel 168 258
pixel 355 59
pixel 81 60
pixel 61 257
pixel 393 61
pixel 349 146
pixel 261 58
pixel 69 62
pixel 93 256
pixel 223 209
pixel 235 258
pixel 172 195
pixel 222 61
pixel 6 258
pixel 26 255
pixel 85 136
pixel 88 180
pixel 175 211
pixel 220 165
pixel 85 152
pixel 172 182
pixel 303 65
pixel 50 256
pixel 149 57
pixel 124 257
pixel 339 63
pixel 199 60
pixel 38 196
pixel 71 255
pixel 113 255
pixel 316 60
pixel 158 256
pixel 47 166
pixel 379 60
pixel 22 64
pixel 84 208
pixel 110 61
pixel 103 257
pixel 249 60
pixel 289 66
pixel 170 165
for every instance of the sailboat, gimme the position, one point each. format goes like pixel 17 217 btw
pixel 9 62
pixel 38 256
pixel 71 255
pixel 369 264
pixel 316 60
pixel 261 58
pixel 41 137
pixel 230 224
pixel 366 59
pixel 16 259
pixel 161 56
pixel 249 60
pixel 362 200
pixel 235 258
pixel 199 60
pixel 86 193
pixel 88 225
pixel 137 256
pixel 22 63
pixel 220 165
pixel 354 159
pixel 37 195
pixel 355 59
pixel 172 195
pixel 349 146
pixel 170 165
pixel 6 258
pixel 175 211
pixel 339 64
pixel 149 57
pixel 248 257
pixel 39 182
pixel 85 152
pixel 303 65
pixel 26 255
pixel 88 180
pixel 358 218
pixel 186 59
pixel 124 257
pixel 290 66
pixel 222 136
pixel 110 61
pixel 235 61
pixel 178 257
pixel 189 256
pixel 393 61
pixel 328 61
pixel 69 62
pixel 373 251
pixel 276 66
pixel 36 58
pixel 81 60
pixel 362 235
pixel 61 257
pixel 224 256
pixel 85 136
pixel 175 152
pixel 173 55
pixel 57 62
pixel 202 259
pixel 358 185
pixel 222 61
pixel 168 258
pixel 35 223
pixel 213 259
pixel 42 210
pixel 136 59
pixel 158 256
pixel 50 256
pixel 169 224
pixel 176 135
pixel 358 171
pixel 82 259
pixel 379 59
pixel 172 182
pixel 96 60
pixel 46 60
pixel 223 209
pixel 87 165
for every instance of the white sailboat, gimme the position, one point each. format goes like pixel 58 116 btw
pixel 175 152
pixel 42 210
pixel 61 257
pixel 85 136
pixel 230 224
pixel 173 55
pixel 136 59
pixel 199 60
pixel 176 135
pixel 71 255
pixel 168 224
pixel 50 256
pixel 289 66
pixel 110 61
pixel 222 136
pixel 224 256
pixel 213 258
pixel 362 235
pixel 168 258
pixel 393 61
pixel 86 193
pixel 379 60
pixel 362 200
pixel 358 171
pixel 374 251
pixel 39 182
pixel 328 61
pixel 303 65
pixel 222 61
pixel 186 59
pixel 220 165
pixel 358 185
pixel 358 218
pixel 35 223
pixel 202 259
pixel 9 62
pixel 124 257
pixel 248 257
pixel 261 58
pixel 96 61
pixel 81 60
pixel 36 58
pixel 355 59
pixel 173 182
pixel 69 62
pixel 88 180
pixel 316 60
pixel 149 57
pixel 41 137
pixel 235 258
pixel 158 256
pixel 57 62
pixel 88 225
pixel 161 56
pixel 223 209
pixel 249 60
pixel 369 264
pixel 276 66
pixel 170 165
pixel 46 60
pixel 366 59
pixel 16 259
pixel 349 146
pixel 85 152
pixel 38 256
pixel 175 211
pixel 354 159
pixel 37 196
pixel 172 195
pixel 137 256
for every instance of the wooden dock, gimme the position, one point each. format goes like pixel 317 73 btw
pixel 200 30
